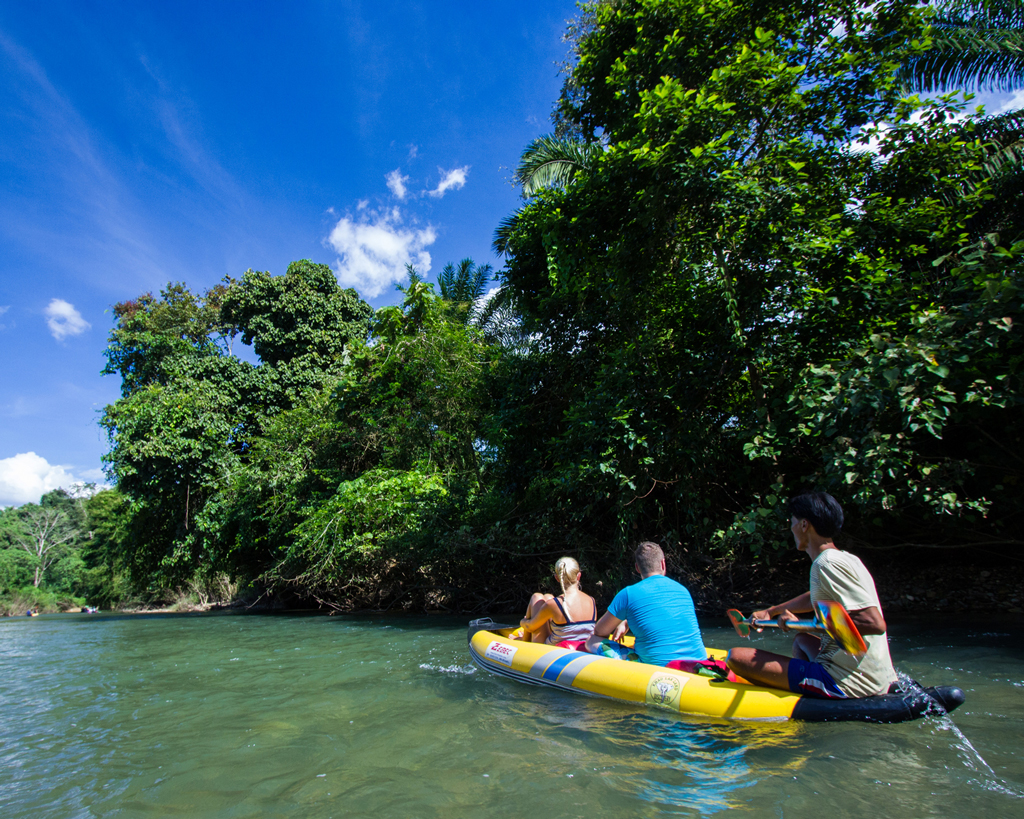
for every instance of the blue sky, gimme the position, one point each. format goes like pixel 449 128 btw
pixel 143 143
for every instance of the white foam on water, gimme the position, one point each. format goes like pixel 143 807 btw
pixel 449 669
pixel 968 753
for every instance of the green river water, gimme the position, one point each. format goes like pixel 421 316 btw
pixel 377 716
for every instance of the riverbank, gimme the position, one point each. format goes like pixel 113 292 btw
pixel 917 583
pixel 927 583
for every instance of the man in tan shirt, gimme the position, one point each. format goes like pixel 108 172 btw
pixel 819 667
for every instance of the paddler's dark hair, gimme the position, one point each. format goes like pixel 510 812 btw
pixel 820 509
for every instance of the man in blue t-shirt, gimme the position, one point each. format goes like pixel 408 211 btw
pixel 657 610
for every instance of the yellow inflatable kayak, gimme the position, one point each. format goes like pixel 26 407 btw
pixel 679 691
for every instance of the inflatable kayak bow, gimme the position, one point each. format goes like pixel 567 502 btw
pixel 679 691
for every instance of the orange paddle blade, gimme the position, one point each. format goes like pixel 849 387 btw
pixel 838 624
pixel 739 622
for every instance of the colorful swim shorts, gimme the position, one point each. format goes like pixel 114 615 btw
pixel 812 680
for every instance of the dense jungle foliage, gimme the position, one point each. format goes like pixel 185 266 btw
pixel 54 554
pixel 750 260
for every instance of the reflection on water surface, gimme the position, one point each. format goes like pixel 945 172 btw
pixel 289 716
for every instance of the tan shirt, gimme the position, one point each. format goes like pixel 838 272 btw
pixel 840 576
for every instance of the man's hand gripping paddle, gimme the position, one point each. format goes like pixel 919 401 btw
pixel 829 616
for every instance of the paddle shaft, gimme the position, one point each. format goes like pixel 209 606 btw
pixel 792 625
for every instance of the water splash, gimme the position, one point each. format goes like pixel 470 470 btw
pixel 944 722
pixel 912 690
pixel 449 669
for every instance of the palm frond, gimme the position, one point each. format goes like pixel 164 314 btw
pixel 977 45
pixel 551 162
pixel 1004 13
pixel 414 279
pixel 501 322
pixel 1003 134
pixel 503 234
pixel 464 286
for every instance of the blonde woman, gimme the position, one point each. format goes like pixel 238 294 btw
pixel 568 618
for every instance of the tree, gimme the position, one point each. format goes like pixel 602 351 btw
pixel 352 494
pixel 552 162
pixel 190 409
pixel 16 565
pixel 49 531
pixel 464 287
pixel 298 324
pixel 729 247
pixel 104 581
pixel 979 45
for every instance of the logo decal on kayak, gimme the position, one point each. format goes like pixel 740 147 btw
pixel 664 690
pixel 501 652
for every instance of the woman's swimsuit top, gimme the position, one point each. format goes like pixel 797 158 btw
pixel 570 630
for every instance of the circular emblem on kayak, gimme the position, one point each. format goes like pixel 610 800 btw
pixel 664 690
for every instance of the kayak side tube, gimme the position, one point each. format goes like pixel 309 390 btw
pixel 886 708
pixel 540 664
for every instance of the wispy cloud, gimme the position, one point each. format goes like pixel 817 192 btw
pixel 95 199
pixel 374 249
pixel 64 320
pixel 182 126
pixel 3 309
pixel 396 183
pixel 450 180
pixel 101 220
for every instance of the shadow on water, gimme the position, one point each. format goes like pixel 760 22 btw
pixel 699 766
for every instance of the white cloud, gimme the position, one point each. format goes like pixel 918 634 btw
pixel 451 180
pixel 396 183
pixel 413 152
pixel 373 251
pixel 4 309
pixel 1013 103
pixel 64 320
pixel 25 478
pixel 96 476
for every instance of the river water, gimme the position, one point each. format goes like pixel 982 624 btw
pixel 376 716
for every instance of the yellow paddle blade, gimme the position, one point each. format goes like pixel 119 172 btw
pixel 838 624
pixel 739 622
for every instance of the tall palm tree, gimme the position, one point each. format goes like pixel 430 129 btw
pixel 464 286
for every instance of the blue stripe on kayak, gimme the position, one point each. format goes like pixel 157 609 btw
pixel 556 667
pixel 560 667
pixel 577 664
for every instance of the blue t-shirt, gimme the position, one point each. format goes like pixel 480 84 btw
pixel 662 618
